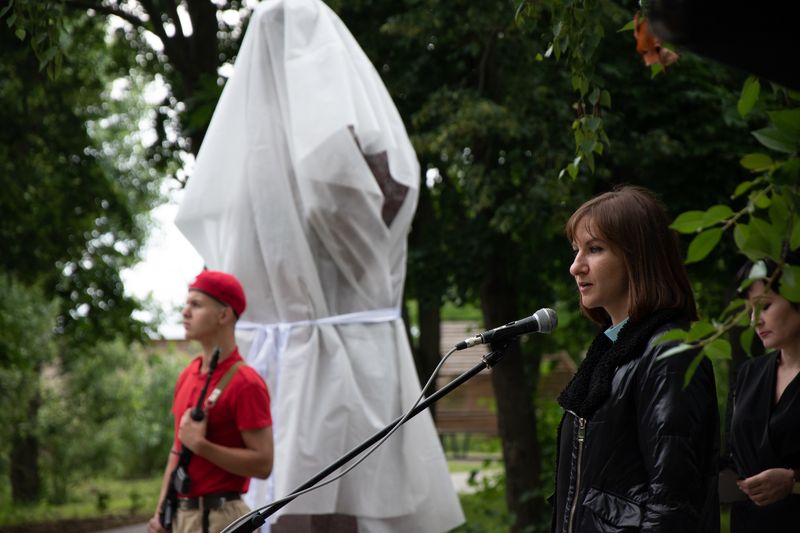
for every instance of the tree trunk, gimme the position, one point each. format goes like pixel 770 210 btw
pixel 427 289
pixel 427 354
pixel 24 459
pixel 514 387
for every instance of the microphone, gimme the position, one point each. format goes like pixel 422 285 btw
pixel 542 321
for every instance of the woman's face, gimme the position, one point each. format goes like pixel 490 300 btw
pixel 778 323
pixel 599 270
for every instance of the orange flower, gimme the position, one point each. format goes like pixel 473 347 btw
pixel 649 46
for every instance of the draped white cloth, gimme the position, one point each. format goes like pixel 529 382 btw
pixel 304 188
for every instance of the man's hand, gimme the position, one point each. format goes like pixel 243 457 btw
pixel 768 486
pixel 154 525
pixel 190 432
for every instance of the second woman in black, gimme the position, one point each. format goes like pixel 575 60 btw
pixel 765 428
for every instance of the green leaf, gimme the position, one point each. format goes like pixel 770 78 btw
pixel 742 188
pixel 779 211
pixel 716 214
pixel 746 339
pixel 47 57
pixel 749 96
pixel 689 222
pixel 760 200
pixel 702 245
pixel 788 173
pixel 627 27
pixel 718 349
pixel 790 283
pixel 751 242
pixel 593 123
pixel 732 307
pixel 672 335
pixel 573 170
pixel 687 378
pixel 656 69
pixel 699 330
pixel 756 162
pixel 775 139
pixel 682 347
pixel 20 33
pixel 794 240
pixel 605 99
pixel 787 121
pixel 5 9
pixel 769 233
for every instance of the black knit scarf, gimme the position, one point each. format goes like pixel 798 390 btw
pixel 591 385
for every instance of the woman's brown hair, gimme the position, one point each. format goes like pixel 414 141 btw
pixel 634 222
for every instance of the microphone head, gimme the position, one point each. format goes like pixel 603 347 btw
pixel 547 319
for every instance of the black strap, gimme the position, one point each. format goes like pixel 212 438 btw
pixel 206 511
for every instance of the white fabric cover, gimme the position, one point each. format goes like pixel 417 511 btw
pixel 283 197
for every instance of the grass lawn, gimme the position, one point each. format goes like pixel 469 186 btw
pixel 91 498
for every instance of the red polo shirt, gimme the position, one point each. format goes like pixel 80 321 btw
pixel 243 405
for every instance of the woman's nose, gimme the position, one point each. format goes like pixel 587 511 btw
pixel 578 266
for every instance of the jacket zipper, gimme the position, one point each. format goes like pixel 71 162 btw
pixel 581 438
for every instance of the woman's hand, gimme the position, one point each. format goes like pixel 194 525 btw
pixel 768 486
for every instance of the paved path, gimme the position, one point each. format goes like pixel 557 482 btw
pixel 138 528
pixel 460 483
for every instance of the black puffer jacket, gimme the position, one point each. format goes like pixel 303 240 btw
pixel 641 452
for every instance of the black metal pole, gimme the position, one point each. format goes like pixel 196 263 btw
pixel 258 518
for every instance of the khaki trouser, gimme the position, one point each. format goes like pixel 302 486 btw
pixel 191 521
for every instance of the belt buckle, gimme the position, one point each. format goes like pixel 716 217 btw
pixel 214 502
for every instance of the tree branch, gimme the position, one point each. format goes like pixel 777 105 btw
pixel 170 48
pixel 107 10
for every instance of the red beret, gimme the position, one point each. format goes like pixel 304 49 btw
pixel 223 287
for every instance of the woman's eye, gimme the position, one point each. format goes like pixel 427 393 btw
pixel 595 249
pixel 765 307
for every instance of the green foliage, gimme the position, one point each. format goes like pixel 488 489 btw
pixel 485 510
pixel 749 96
pixel 72 206
pixel 124 498
pixel 27 326
pixel 573 31
pixel 766 224
pixel 44 24
pixel 109 415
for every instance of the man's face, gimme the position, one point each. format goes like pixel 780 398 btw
pixel 202 316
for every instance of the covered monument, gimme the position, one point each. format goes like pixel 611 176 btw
pixel 305 188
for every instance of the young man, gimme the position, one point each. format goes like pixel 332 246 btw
pixel 233 442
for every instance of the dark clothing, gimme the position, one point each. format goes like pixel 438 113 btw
pixel 765 435
pixel 639 454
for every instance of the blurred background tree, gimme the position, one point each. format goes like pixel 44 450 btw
pixel 75 201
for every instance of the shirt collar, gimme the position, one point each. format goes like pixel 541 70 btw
pixel 613 332
pixel 223 365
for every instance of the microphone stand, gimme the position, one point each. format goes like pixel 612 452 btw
pixel 258 518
